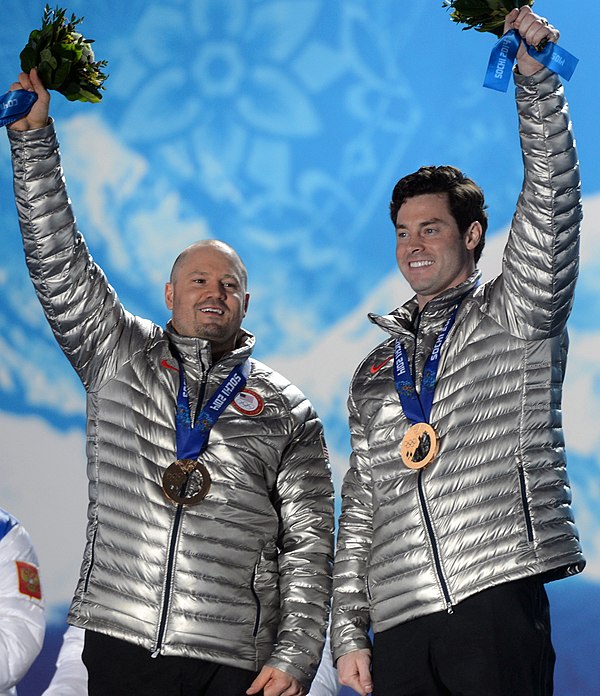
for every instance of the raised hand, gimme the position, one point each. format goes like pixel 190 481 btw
pixel 38 115
pixel 534 30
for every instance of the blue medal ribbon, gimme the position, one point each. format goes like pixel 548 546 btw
pixel 193 437
pixel 417 407
pixel 556 58
pixel 15 105
pixel 504 53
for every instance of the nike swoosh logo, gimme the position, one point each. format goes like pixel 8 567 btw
pixel 376 368
pixel 164 363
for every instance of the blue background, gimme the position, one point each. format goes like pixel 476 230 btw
pixel 279 126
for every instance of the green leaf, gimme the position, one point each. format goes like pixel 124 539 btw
pixel 70 89
pixel 46 56
pixel 28 58
pixel 62 72
pixel 67 51
pixel 87 95
pixel 72 51
pixel 45 73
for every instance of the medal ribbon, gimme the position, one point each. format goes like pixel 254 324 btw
pixel 192 437
pixel 417 407
pixel 504 53
pixel 15 105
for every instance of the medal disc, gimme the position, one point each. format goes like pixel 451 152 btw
pixel 419 446
pixel 186 482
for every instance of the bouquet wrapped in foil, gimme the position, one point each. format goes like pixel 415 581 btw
pixel 64 59
pixel 483 15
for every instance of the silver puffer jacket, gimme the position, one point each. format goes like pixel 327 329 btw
pixel 244 577
pixel 494 506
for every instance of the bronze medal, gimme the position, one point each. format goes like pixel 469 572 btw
pixel 419 446
pixel 186 482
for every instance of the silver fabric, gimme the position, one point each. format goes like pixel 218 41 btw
pixel 495 505
pixel 251 565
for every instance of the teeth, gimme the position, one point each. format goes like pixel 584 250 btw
pixel 212 310
pixel 420 264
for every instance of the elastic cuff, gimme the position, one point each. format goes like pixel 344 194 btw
pixel 30 135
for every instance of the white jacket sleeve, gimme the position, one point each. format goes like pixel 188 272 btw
pixel 325 682
pixel 22 619
pixel 70 678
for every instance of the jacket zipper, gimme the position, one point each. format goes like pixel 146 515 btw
pixel 434 547
pixel 166 602
pixel 423 501
pixel 168 580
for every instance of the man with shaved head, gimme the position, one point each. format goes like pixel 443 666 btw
pixel 214 267
pixel 207 564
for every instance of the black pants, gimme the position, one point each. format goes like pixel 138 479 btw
pixel 495 643
pixel 118 668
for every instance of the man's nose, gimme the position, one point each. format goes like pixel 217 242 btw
pixel 216 289
pixel 415 245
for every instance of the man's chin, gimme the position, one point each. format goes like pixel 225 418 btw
pixel 215 335
pixel 211 334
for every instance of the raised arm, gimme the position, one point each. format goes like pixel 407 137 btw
pixel 81 307
pixel 540 261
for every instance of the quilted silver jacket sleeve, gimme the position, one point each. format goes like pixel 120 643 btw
pixel 529 302
pixel 304 500
pixel 82 309
pixel 350 609
pixel 534 294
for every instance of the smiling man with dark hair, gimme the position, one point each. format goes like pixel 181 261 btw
pixel 456 508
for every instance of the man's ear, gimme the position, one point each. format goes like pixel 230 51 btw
pixel 246 302
pixel 473 235
pixel 169 295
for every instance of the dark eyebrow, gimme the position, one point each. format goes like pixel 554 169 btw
pixel 424 223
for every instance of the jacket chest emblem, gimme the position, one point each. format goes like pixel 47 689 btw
pixel 248 402
pixel 29 580
pixel 377 366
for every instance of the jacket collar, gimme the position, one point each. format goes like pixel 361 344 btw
pixel 402 320
pixel 197 350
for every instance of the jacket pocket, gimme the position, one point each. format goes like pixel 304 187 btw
pixel 525 504
pixel 368 588
pixel 90 568
pixel 265 590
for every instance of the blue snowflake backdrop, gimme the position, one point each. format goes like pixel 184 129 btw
pixel 279 126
